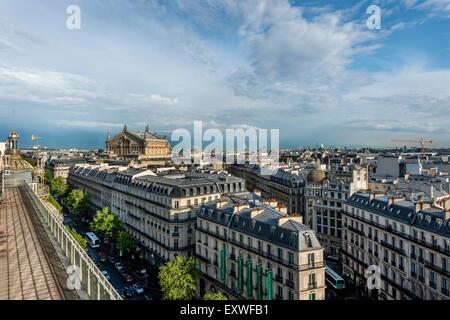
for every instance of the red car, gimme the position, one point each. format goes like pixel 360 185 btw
pixel 102 256
pixel 128 278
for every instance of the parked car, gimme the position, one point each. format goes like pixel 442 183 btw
pixel 111 259
pixel 102 257
pixel 119 266
pixel 138 288
pixel 106 274
pixel 128 292
pixel 128 278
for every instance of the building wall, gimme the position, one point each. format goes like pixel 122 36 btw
pixel 414 263
pixel 293 276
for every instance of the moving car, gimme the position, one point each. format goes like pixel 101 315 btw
pixel 138 288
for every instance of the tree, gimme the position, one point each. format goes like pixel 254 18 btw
pixel 48 177
pixel 125 241
pixel 78 238
pixel 106 223
pixel 77 202
pixel 178 278
pixel 58 187
pixel 214 296
pixel 54 203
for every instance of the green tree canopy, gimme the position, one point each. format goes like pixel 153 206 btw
pixel 214 296
pixel 78 238
pixel 106 223
pixel 48 177
pixel 58 187
pixel 54 203
pixel 178 278
pixel 77 202
pixel 125 241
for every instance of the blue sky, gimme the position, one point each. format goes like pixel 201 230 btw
pixel 309 68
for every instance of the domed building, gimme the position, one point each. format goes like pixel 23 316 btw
pixel 13 144
pixel 19 169
pixel 316 176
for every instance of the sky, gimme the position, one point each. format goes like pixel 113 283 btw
pixel 312 69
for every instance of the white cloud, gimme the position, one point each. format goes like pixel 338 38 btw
pixel 154 99
pixel 46 87
pixel 88 124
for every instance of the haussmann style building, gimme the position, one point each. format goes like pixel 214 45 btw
pixel 249 249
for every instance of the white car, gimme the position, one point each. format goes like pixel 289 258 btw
pixel 138 288
pixel 106 274
pixel 119 266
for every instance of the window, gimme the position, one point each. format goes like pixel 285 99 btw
pixel 269 250
pixel 280 253
pixel 291 258
pixel 310 259
pixel 312 296
pixel 312 280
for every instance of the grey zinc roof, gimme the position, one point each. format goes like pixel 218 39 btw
pixel 264 225
pixel 404 212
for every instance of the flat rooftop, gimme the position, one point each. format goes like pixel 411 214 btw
pixel 29 266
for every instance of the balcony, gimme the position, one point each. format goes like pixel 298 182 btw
pixel 312 285
pixel 278 297
pixel 413 274
pixel 175 234
pixel 445 291
pixel 290 284
pixel 216 263
pixel 233 273
pixel 421 278
pixel 200 257
pixel 279 278
pixel 401 267
pixel 433 285
pixel 232 256
pixel 440 270
pixel 413 256
pixel 421 259
pixel 356 231
pixel 392 247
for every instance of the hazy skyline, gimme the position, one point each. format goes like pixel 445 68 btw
pixel 313 70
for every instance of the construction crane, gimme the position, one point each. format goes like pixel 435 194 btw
pixel 421 141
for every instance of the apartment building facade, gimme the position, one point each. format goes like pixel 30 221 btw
pixel 251 250
pixel 325 196
pixel 287 188
pixel 406 237
pixel 158 210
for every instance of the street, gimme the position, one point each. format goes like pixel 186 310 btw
pixel 149 279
